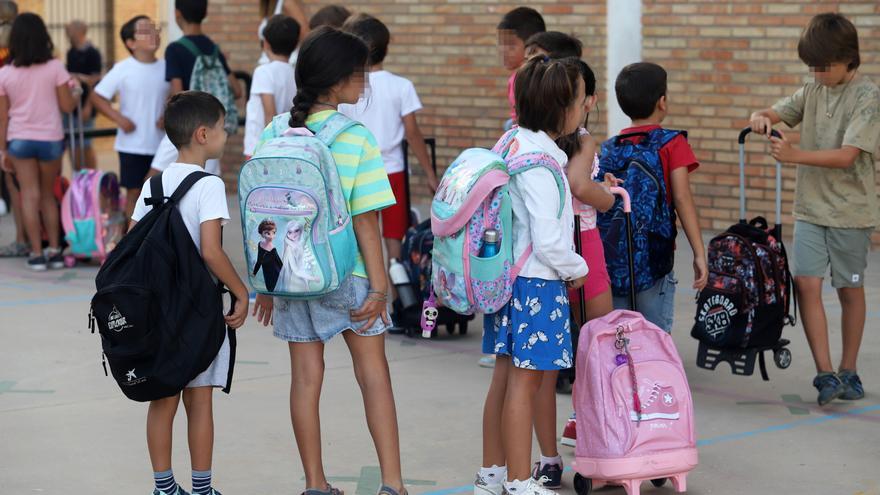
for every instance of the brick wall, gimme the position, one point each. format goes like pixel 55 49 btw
pixel 725 59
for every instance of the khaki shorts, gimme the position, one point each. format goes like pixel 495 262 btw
pixel 845 250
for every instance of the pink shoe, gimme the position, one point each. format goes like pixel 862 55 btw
pixel 660 404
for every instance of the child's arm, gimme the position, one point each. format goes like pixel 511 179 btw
pixel 219 264
pixel 366 230
pixel 66 100
pixel 103 106
pixel 269 110
pixel 417 142
pixel 235 85
pixel 4 124
pixel 687 213
pixel 579 172
pixel 176 87
pixel 295 10
pixel 783 151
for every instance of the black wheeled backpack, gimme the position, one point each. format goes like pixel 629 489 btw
pixel 748 300
pixel 158 309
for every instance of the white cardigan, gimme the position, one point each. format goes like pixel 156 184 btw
pixel 535 198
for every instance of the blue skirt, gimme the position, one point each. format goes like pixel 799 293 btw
pixel 534 327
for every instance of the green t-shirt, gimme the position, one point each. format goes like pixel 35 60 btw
pixel 830 118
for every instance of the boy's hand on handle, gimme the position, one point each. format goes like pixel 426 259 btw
pixel 701 272
pixel 263 307
pixel 760 124
pixel 611 181
pixel 781 149
pixel 239 311
pixel 375 306
pixel 126 125
pixel 576 283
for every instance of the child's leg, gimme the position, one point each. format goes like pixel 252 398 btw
pixel 49 172
pixel 15 198
pixel 160 423
pixel 27 173
pixel 809 293
pixel 545 414
pixel 518 419
pixel 852 306
pixel 198 403
pixel 599 306
pixel 493 447
pixel 307 378
pixel 374 379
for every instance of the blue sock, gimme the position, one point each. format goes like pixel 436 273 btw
pixel 165 481
pixel 201 482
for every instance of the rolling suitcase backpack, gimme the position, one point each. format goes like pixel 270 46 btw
pixel 635 418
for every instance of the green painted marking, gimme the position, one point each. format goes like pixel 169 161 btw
pixel 6 387
pixel 371 479
pixel 793 403
pixel 251 362
pixel 67 276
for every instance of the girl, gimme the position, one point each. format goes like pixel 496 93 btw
pixel 34 90
pixel 357 310
pixel 267 255
pixel 531 334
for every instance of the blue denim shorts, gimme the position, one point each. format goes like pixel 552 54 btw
pixel 319 320
pixel 44 151
pixel 656 304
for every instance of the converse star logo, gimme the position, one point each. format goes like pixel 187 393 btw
pixel 667 399
pixel 130 376
pixel 116 321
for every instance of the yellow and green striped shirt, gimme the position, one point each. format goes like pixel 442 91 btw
pixel 361 171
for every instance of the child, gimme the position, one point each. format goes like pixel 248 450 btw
pixel 389 112
pixel 83 63
pixel 34 90
pixel 531 334
pixel 835 207
pixel 273 86
pixel 194 123
pixel 641 93
pixel 357 310
pixel 140 83
pixel 290 8
pixel 329 15
pixel 515 28
pixel 179 64
pixel 553 44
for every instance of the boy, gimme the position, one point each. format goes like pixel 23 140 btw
pixel 194 124
pixel 390 114
pixel 554 45
pixel 83 63
pixel 835 206
pixel 515 28
pixel 179 63
pixel 329 15
pixel 273 86
pixel 140 83
pixel 641 93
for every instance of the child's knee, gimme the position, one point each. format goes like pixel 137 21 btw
pixel 851 296
pixel 198 398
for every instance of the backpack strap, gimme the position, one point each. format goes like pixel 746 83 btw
pixel 190 46
pixel 187 183
pixel 157 195
pixel 335 125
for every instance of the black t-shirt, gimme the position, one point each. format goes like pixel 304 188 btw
pixel 86 60
pixel 179 61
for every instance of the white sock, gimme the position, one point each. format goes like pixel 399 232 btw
pixel 516 486
pixel 551 460
pixel 494 475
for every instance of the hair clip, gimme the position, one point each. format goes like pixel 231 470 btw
pixel 545 59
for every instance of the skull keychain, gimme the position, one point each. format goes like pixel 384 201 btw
pixel 429 316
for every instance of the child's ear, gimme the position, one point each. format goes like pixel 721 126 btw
pixel 661 104
pixel 591 102
pixel 130 44
pixel 201 135
pixel 266 46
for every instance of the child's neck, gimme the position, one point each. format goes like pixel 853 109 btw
pixel 192 155
pixel 376 68
pixel 144 56
pixel 654 119
pixel 191 29
pixel 274 57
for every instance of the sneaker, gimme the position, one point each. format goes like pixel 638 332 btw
pixel 54 258
pixel 532 487
pixel 177 491
pixel 569 434
pixel 852 384
pixel 329 491
pixel 483 487
pixel 487 361
pixel 387 490
pixel 14 250
pixel 829 386
pixel 37 262
pixel 550 475
pixel 660 404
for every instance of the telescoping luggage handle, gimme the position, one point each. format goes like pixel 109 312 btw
pixel 73 119
pixel 742 177
pixel 627 213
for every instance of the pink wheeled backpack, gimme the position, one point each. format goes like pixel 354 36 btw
pixel 91 215
pixel 635 416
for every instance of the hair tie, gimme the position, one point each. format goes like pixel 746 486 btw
pixel 545 59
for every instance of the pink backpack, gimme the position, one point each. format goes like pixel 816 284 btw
pixel 625 438
pixel 91 214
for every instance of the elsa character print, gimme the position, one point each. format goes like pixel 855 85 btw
pixel 298 268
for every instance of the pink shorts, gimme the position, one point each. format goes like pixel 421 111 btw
pixel 594 254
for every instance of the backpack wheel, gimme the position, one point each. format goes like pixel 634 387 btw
pixel 450 329
pixel 69 261
pixel 582 486
pixel 462 328
pixel 782 358
pixel 658 482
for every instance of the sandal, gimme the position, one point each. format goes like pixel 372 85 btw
pixel 387 490
pixel 329 491
pixel 15 250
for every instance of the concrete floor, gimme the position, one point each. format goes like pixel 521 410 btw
pixel 65 428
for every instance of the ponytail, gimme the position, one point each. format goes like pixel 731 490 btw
pixel 328 56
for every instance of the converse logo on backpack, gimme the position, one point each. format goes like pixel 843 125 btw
pixel 116 321
pixel 717 313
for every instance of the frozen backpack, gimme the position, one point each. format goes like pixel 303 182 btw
pixel 635 416
pixel 91 214
pixel 299 241
pixel 473 197
pixel 208 75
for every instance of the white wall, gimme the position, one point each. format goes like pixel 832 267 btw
pixel 173 32
pixel 624 48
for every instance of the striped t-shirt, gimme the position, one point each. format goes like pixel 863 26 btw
pixel 361 171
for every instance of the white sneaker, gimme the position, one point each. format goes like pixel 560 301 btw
pixel 531 487
pixel 482 487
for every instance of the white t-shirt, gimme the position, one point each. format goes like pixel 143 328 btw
pixel 277 79
pixel 205 201
pixel 389 98
pixel 166 155
pixel 142 91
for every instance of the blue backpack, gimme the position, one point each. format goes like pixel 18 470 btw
pixel 299 241
pixel 653 218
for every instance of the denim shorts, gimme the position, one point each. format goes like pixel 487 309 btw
pixel 44 151
pixel 319 320
pixel 656 304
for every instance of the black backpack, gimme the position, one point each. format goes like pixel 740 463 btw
pixel 158 309
pixel 748 298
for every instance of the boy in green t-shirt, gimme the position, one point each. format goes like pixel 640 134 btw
pixel 836 205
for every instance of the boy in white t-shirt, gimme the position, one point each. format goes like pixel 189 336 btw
pixel 273 86
pixel 140 83
pixel 194 124
pixel 389 112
